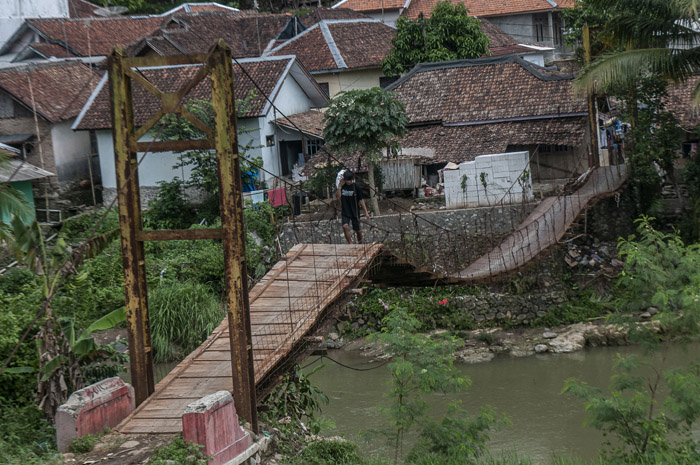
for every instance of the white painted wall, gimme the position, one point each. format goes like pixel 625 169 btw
pixel 350 80
pixel 155 167
pixel 70 151
pixel 13 13
pixel 290 100
pixel 502 172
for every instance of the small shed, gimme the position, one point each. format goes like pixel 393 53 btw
pixel 401 173
pixel 19 174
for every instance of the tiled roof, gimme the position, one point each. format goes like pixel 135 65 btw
pixel 483 8
pixel 201 8
pixel 60 89
pixel 484 90
pixel 310 122
pixel 266 73
pixel 458 144
pixel 680 102
pixel 497 38
pixel 51 50
pixel 371 5
pixel 82 9
pixel 319 14
pixel 103 33
pixel 341 44
pixel 247 35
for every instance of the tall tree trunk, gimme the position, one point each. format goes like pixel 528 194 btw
pixel 374 204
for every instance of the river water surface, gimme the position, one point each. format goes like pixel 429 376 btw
pixel 545 423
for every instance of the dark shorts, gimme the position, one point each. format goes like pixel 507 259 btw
pixel 355 222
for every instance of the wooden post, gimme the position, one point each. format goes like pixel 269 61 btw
pixel 593 155
pixel 231 209
pixel 135 290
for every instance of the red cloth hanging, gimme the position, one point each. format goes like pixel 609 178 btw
pixel 277 197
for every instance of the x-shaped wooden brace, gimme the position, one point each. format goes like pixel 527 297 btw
pixel 171 103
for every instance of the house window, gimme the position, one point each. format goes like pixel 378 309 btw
pixel 324 87
pixel 384 81
pixel 270 140
pixel 312 146
pixel 541 29
pixel 7 106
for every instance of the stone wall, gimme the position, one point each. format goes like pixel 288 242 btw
pixel 468 311
pixel 392 228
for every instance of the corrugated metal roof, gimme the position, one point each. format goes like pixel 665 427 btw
pixel 20 170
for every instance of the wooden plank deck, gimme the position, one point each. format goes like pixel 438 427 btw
pixel 284 305
pixel 544 227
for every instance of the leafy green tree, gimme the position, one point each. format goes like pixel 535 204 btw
pixel 59 357
pixel 449 34
pixel 652 142
pixel 423 364
pixel 365 121
pixel 657 37
pixel 659 270
pixel 202 163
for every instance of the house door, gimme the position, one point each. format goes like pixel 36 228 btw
pixel 289 155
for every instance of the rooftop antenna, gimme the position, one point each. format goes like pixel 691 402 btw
pixel 110 10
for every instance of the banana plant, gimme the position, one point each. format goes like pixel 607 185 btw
pixel 59 353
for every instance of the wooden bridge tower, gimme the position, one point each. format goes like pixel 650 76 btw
pixel 216 64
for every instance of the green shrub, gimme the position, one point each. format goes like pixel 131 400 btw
pixel 183 315
pixel 169 209
pixel 77 228
pixel 583 307
pixel 329 452
pixel 180 452
pixel 25 436
pixel 433 307
pixel 18 311
pixel 83 444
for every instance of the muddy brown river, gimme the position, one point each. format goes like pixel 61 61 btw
pixel 545 423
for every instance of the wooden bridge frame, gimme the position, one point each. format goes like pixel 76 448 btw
pixel 217 64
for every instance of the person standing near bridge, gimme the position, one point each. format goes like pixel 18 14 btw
pixel 350 196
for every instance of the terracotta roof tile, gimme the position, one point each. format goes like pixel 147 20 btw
pixel 481 8
pixel 464 143
pixel 311 49
pixel 680 102
pixel 51 50
pixel 195 33
pixel 310 122
pixel 485 89
pixel 60 89
pixel 82 9
pixel 371 5
pixel 497 38
pixel 360 44
pixel 266 73
pixel 319 14
pixel 104 33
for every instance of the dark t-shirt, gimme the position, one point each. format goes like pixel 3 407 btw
pixel 350 197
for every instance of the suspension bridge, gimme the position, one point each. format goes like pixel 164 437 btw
pixel 296 295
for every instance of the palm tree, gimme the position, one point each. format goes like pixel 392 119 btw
pixel 12 202
pixel 644 37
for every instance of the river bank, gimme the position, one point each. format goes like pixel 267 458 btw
pixel 483 345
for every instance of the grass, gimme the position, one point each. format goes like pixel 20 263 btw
pixel 183 314
pixel 332 452
pixel 25 437
pixel 83 444
pixel 180 452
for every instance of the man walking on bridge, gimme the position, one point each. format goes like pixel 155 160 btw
pixel 350 195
